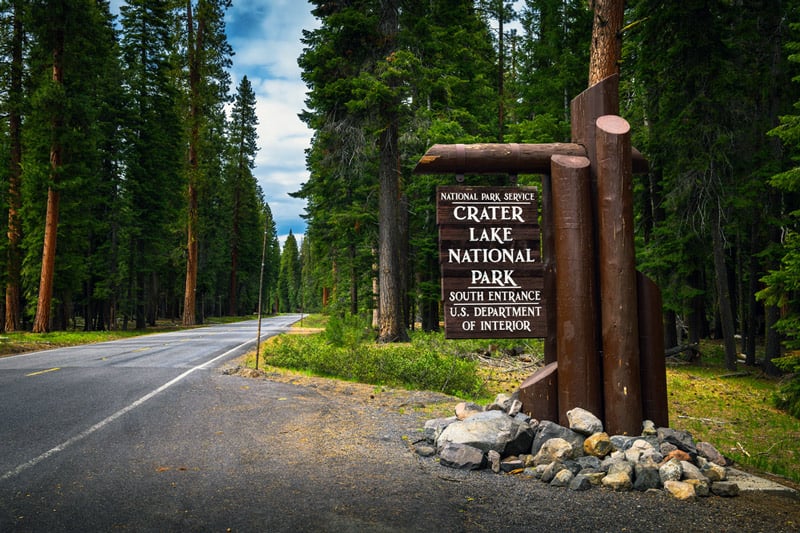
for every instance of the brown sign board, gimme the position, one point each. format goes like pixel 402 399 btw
pixel 492 276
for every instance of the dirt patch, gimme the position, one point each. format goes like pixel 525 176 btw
pixel 437 404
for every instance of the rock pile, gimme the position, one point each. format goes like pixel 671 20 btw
pixel 580 456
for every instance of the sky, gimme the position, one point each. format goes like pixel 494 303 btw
pixel 265 36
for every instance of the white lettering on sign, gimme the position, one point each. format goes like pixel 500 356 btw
pixel 488 213
pixel 496 278
pixel 490 255
pixel 500 235
pixel 509 311
pixel 506 325
pixel 514 296
pixel 459 196
pixel 519 197
pixel 465 296
pixel 491 277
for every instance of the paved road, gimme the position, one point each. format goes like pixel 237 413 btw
pixel 54 402
pixel 149 435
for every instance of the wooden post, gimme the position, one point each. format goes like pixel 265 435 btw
pixel 617 266
pixel 549 263
pixel 579 382
pixel 652 360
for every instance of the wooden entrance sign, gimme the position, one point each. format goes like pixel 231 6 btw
pixel 490 262
pixel 608 338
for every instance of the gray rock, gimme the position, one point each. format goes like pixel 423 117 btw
pixel 501 403
pixel 622 442
pixel 666 448
pixel 562 478
pixel 714 472
pixel 690 471
pixel 670 471
pixel 423 450
pixel 680 439
pixel 490 430
pixel 646 477
pixel 638 449
pixel 709 452
pixel 573 466
pixel 433 428
pixel 550 471
pixel 588 461
pixel 514 408
pixel 549 430
pixel 618 481
pixel 522 417
pixel 580 483
pixel 621 467
pixel 584 422
pixel 555 449
pixel 465 410
pixel 649 428
pixel 461 456
pixel 493 458
pixel 726 489
pixel 509 464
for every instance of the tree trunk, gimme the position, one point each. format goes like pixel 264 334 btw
pixel 391 327
pixel 606 47
pixel 723 294
pixel 195 43
pixel 772 343
pixel 41 322
pixel 13 312
pixel 352 252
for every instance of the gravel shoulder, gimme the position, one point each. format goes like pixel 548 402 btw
pixel 359 438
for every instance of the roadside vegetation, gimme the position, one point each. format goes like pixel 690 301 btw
pixel 735 411
pixel 25 341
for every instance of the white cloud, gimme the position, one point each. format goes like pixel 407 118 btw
pixel 266 38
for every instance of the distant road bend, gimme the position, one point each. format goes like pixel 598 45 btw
pixel 52 400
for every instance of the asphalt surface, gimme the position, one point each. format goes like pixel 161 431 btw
pixel 155 437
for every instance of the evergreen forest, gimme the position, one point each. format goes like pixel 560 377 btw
pixel 128 157
pixel 708 87
pixel 128 168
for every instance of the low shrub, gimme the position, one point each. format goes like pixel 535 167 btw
pixel 345 352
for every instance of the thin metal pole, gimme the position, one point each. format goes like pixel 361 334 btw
pixel 260 291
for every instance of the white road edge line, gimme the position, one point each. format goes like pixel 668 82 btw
pixel 64 445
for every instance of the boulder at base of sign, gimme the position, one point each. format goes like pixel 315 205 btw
pixel 490 430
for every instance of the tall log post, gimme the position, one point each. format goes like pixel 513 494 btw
pixel 549 264
pixel 579 381
pixel 617 266
pixel 652 359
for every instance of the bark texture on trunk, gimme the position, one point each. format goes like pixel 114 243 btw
pixel 606 47
pixel 41 322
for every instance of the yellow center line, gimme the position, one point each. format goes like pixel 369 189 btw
pixel 42 372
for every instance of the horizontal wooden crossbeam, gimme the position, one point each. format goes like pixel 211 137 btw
pixel 506 158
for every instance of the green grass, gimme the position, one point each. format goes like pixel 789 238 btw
pixel 735 413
